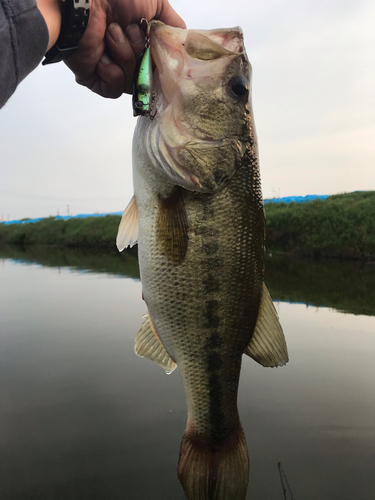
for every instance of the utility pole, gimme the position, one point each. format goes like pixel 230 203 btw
pixel 67 209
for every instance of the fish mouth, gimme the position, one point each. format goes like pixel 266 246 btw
pixel 166 44
pixel 165 40
pixel 179 53
pixel 200 44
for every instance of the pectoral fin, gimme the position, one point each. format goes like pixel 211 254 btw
pixel 148 345
pixel 172 226
pixel 127 234
pixel 268 346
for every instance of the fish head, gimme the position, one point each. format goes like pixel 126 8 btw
pixel 202 85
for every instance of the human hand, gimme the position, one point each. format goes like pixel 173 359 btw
pixel 105 59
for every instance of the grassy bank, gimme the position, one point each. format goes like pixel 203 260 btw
pixel 88 232
pixel 341 226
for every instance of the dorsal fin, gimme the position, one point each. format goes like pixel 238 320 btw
pixel 127 234
pixel 172 226
pixel 148 345
pixel 268 345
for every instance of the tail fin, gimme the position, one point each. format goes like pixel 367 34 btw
pixel 214 473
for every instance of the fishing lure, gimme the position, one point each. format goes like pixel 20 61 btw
pixel 142 80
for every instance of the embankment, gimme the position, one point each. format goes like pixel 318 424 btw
pixel 340 226
pixel 74 232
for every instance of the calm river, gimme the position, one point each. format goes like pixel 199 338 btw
pixel 83 418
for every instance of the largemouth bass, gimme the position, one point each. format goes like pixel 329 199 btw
pixel 197 214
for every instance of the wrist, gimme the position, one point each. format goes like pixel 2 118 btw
pixel 74 17
pixel 51 11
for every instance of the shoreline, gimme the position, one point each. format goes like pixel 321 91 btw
pixel 337 227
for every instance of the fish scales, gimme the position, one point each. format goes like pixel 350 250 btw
pixel 200 229
pixel 197 305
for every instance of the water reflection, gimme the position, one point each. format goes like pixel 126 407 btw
pixel 82 417
pixel 79 259
pixel 346 286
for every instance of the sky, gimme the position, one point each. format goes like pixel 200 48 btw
pixel 66 150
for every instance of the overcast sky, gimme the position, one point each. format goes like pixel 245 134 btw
pixel 313 96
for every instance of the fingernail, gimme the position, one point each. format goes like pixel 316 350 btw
pixel 116 33
pixel 135 35
pixel 105 59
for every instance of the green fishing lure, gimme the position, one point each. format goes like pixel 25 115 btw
pixel 142 82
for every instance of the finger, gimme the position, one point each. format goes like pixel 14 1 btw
pixel 83 61
pixel 169 16
pixel 125 48
pixel 111 80
pixel 136 38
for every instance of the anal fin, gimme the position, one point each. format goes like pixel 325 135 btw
pixel 268 345
pixel 148 345
pixel 127 234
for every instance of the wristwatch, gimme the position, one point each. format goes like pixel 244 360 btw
pixel 74 19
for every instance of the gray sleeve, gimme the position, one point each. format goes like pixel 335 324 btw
pixel 23 42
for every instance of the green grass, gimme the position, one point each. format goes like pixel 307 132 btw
pixel 341 226
pixel 89 232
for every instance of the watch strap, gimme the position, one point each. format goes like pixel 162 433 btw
pixel 74 20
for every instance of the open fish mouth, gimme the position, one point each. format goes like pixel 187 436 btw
pixel 192 136
pixel 182 54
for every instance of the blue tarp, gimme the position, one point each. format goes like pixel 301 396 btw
pixel 60 217
pixel 297 199
pixel 287 199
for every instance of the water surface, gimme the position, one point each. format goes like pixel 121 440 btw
pixel 82 417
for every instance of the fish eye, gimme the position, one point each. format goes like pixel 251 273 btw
pixel 239 87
